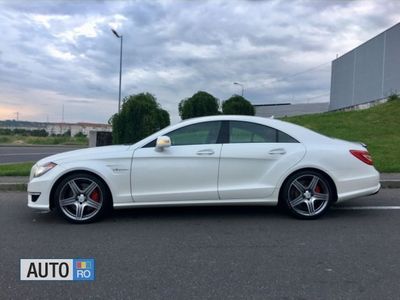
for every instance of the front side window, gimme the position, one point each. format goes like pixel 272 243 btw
pixel 246 132
pixel 196 134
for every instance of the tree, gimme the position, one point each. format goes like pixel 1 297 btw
pixel 140 116
pixel 200 104
pixel 237 105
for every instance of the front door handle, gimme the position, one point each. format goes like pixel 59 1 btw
pixel 205 152
pixel 278 151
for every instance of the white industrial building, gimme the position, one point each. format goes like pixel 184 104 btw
pixel 57 128
pixel 368 73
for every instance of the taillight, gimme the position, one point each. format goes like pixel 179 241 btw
pixel 362 155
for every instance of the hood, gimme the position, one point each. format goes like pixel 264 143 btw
pixel 85 154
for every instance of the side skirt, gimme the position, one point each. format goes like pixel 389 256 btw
pixel 269 202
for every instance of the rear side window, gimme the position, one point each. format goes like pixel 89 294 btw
pixel 285 138
pixel 246 132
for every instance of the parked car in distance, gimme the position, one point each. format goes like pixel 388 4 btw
pixel 214 160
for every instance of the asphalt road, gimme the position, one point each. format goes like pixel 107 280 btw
pixel 14 154
pixel 211 252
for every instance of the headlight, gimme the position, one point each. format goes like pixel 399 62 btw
pixel 40 170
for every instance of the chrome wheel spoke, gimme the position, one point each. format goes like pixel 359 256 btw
pixel 320 196
pixel 301 188
pixel 93 204
pixel 310 207
pixel 313 183
pixel 297 201
pixel 68 201
pixel 89 189
pixel 79 211
pixel 74 187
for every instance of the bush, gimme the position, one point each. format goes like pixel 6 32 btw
pixel 200 104
pixel 393 97
pixel 5 131
pixel 80 135
pixel 237 105
pixel 39 132
pixel 140 116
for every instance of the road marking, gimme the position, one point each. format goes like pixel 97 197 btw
pixel 366 207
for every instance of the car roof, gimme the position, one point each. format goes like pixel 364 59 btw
pixel 300 133
pixel 296 131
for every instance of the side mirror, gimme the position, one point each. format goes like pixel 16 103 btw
pixel 163 142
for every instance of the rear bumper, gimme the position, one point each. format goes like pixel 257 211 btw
pixel 358 187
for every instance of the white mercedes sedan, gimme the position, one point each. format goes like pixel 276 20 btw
pixel 217 160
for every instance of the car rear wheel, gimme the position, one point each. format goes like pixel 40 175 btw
pixel 82 198
pixel 307 194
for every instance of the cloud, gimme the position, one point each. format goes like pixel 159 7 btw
pixel 64 53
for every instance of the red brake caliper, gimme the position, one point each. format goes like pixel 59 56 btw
pixel 317 189
pixel 95 196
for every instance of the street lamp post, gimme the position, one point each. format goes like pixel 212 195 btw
pixel 241 85
pixel 120 68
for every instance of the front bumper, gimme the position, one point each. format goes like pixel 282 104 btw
pixel 39 193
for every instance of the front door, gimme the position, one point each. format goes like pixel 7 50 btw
pixel 185 171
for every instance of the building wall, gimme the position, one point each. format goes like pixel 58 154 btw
pixel 368 72
pixel 288 109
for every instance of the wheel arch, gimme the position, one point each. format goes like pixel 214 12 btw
pixel 57 182
pixel 328 177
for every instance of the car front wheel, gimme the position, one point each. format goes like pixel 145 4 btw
pixel 81 198
pixel 307 194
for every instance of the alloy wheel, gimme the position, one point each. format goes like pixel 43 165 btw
pixel 308 195
pixel 80 199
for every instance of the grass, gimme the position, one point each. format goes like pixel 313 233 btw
pixel 17 169
pixel 378 127
pixel 48 140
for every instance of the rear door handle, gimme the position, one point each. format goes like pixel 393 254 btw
pixel 278 151
pixel 205 152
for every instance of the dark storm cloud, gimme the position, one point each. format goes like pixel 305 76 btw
pixel 59 52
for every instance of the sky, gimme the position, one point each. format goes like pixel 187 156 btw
pixel 63 53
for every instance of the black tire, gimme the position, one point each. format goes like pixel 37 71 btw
pixel 307 194
pixel 82 198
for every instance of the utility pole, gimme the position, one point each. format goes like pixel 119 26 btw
pixel 120 68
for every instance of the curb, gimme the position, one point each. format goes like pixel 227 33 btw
pixel 390 184
pixel 13 187
pixel 22 187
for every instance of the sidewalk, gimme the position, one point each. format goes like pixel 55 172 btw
pixel 19 183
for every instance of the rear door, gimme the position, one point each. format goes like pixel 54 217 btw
pixel 254 160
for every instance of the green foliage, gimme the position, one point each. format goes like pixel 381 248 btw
pixel 393 97
pixel 6 131
pixel 200 104
pixel 80 135
pixel 378 127
pixel 140 116
pixel 23 132
pixel 67 133
pixel 5 139
pixel 41 140
pixel 237 105
pixel 18 169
